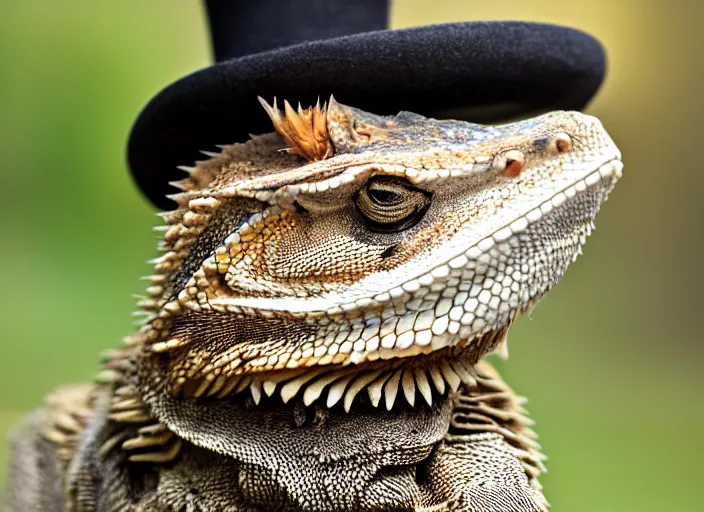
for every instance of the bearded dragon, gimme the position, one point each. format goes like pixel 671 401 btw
pixel 316 326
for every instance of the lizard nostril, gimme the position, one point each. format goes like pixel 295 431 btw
pixel 561 143
pixel 514 163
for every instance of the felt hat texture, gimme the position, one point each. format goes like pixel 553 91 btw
pixel 302 50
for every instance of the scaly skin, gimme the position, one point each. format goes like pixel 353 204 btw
pixel 317 322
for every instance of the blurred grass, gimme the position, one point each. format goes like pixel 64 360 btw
pixel 612 360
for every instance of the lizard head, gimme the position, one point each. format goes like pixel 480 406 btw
pixel 348 240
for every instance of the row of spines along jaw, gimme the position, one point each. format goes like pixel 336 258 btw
pixel 420 377
pixel 484 405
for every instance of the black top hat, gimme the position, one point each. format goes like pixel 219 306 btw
pixel 304 49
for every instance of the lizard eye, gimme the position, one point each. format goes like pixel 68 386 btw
pixel 390 205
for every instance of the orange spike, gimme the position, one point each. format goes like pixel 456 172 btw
pixel 305 130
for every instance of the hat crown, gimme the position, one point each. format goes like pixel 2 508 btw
pixel 245 27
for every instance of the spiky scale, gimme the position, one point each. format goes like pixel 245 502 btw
pixel 315 389
pixel 159 457
pixel 229 386
pixel 464 374
pixel 375 389
pixel 337 390
pixel 452 379
pixel 256 388
pixel 437 378
pixel 391 389
pixel 358 385
pixel 409 386
pixel 291 388
pixel 423 385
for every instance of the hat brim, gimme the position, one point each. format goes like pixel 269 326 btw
pixel 477 71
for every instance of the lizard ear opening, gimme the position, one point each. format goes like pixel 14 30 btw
pixel 305 131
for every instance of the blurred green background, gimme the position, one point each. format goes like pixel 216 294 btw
pixel 612 359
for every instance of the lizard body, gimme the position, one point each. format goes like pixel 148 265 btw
pixel 316 325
